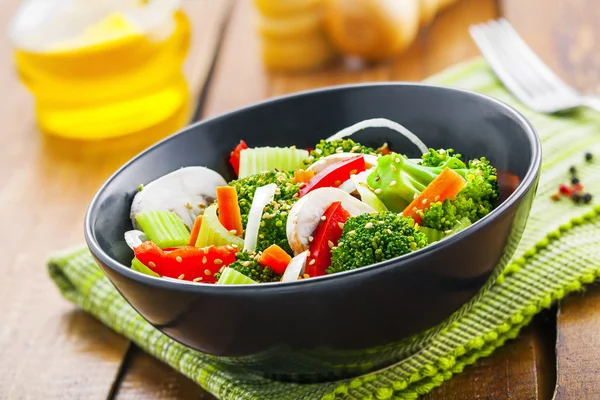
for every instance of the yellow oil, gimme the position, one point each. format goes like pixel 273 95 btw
pixel 112 81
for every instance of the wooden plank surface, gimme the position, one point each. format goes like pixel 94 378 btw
pixel 48 349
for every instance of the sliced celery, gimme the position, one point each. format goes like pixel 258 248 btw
pixel 137 265
pixel 433 235
pixel 230 276
pixel 261 159
pixel 212 233
pixel 164 228
pixel 461 224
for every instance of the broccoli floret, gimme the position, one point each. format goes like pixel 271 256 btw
pixel 272 226
pixel 371 238
pixel 396 179
pixel 246 187
pixel 247 264
pixel 324 149
pixel 435 158
pixel 474 202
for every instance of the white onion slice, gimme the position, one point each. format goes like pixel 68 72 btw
pixel 134 238
pixel 295 268
pixel 366 195
pixel 263 196
pixel 380 123
pixel 321 164
pixel 348 186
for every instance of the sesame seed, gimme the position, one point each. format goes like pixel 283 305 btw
pixel 436 198
pixel 355 148
pixel 201 205
pixel 340 244
pixel 188 206
pixel 207 272
pixel 339 150
pixel 228 247
pixel 205 250
pixel 310 238
pixel 377 178
pixel 323 218
pixel 318 151
pixel 353 172
pixel 306 276
pixel 262 236
pixel 151 264
pixel 246 263
pixel 293 147
pixel 233 231
pixel 378 190
pixel 351 233
pixel 368 225
pixel 424 201
pixel 397 160
pixel 330 244
pixel 337 183
pixel 312 262
pixel 235 246
pixel 389 231
pixel 341 225
pixel 179 259
pixel 198 279
pixel 180 277
pixel 392 183
pixel 393 168
pixel 449 231
pixel 218 261
pixel 221 269
pixel 204 260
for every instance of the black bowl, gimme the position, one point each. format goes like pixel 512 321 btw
pixel 343 324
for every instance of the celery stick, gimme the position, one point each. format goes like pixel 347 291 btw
pixel 137 265
pixel 212 233
pixel 164 228
pixel 261 159
pixel 433 235
pixel 232 277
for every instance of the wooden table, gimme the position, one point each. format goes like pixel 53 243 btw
pixel 51 350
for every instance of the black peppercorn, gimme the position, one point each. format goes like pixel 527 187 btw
pixel 573 170
pixel 576 197
pixel 587 198
pixel 574 180
pixel 589 156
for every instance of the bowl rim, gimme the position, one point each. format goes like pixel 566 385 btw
pixel 185 286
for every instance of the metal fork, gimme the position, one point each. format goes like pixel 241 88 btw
pixel 523 73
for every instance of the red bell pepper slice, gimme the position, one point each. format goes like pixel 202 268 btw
pixel 335 174
pixel 234 158
pixel 187 263
pixel 326 236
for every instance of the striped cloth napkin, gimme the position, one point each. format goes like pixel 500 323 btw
pixel 558 254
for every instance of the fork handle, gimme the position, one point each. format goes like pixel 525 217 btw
pixel 592 102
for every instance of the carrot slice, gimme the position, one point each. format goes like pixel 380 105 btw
pixel 229 209
pixel 302 176
pixel 446 186
pixel 276 258
pixel 195 231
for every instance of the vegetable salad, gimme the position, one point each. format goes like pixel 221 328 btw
pixel 294 214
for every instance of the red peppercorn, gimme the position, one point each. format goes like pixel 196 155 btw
pixel 564 189
pixel 578 187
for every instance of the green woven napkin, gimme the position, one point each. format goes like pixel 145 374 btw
pixel 559 253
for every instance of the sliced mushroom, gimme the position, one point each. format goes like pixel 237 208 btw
pixel 307 212
pixel 186 192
